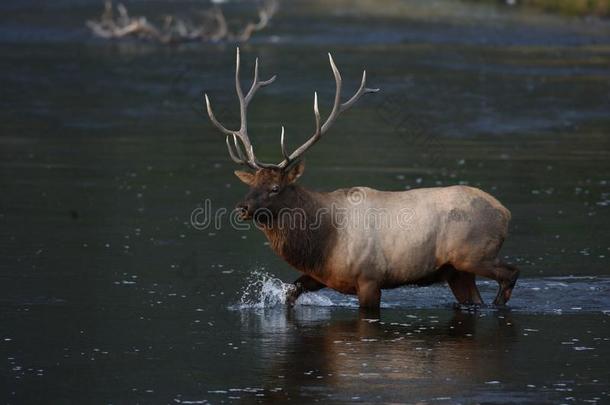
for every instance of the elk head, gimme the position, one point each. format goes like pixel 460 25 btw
pixel 272 185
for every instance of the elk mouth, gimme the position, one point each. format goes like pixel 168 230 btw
pixel 243 214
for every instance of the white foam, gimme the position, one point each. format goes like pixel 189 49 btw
pixel 315 300
pixel 262 290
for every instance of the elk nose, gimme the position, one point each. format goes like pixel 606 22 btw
pixel 242 208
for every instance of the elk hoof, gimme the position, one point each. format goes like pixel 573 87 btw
pixel 468 306
pixel 292 295
pixel 506 290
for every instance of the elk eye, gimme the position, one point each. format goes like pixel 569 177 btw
pixel 275 188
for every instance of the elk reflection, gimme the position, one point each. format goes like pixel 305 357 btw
pixel 313 351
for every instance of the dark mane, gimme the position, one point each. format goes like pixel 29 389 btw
pixel 301 235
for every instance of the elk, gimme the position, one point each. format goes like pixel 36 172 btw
pixel 427 235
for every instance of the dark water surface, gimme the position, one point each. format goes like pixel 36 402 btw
pixel 109 295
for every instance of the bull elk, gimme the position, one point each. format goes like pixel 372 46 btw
pixel 428 235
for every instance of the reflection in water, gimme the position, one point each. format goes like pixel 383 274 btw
pixel 311 351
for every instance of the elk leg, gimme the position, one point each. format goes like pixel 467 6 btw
pixel 369 294
pixel 302 284
pixel 505 274
pixel 507 284
pixel 464 288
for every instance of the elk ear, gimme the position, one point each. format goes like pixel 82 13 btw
pixel 247 178
pixel 295 172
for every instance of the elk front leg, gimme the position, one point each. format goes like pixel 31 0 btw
pixel 301 285
pixel 369 294
pixel 505 274
pixel 369 298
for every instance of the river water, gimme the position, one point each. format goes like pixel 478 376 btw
pixel 108 294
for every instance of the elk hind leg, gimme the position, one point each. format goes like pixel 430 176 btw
pixel 464 288
pixel 507 284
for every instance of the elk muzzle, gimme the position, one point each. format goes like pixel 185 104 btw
pixel 244 210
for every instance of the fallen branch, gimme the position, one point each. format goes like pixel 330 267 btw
pixel 212 27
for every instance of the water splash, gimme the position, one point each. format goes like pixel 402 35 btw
pixel 264 290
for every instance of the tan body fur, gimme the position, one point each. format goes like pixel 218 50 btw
pixel 440 226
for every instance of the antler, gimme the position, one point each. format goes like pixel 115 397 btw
pixel 338 108
pixel 238 155
pixel 235 151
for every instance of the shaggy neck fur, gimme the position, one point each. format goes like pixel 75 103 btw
pixel 300 234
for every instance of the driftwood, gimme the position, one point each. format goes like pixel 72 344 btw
pixel 212 26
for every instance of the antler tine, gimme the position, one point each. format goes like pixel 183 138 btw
pixel 213 118
pixel 238 149
pixel 283 146
pixel 254 81
pixel 316 113
pixel 243 110
pixel 256 84
pixel 362 90
pixel 337 104
pixel 240 93
pixel 291 158
pixel 282 164
pixel 232 153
